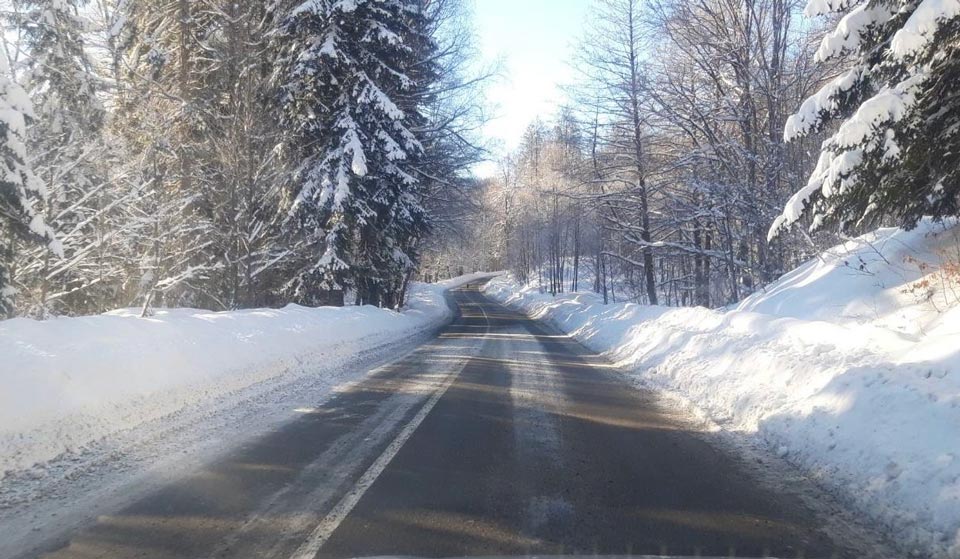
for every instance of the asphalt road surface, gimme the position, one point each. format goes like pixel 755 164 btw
pixel 500 437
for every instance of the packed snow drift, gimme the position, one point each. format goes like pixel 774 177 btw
pixel 69 381
pixel 849 366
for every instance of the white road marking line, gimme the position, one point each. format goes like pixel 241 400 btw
pixel 330 522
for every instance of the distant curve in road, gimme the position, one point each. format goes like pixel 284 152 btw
pixel 501 437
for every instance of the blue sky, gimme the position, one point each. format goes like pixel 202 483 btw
pixel 535 38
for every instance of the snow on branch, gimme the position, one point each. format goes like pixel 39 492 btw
pixel 824 7
pixel 812 111
pixel 844 152
pixel 922 25
pixel 847 36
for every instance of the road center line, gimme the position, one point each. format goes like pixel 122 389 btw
pixel 319 536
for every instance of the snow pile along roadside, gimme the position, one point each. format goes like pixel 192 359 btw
pixel 69 381
pixel 849 366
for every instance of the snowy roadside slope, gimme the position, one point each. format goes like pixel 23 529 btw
pixel 849 366
pixel 69 381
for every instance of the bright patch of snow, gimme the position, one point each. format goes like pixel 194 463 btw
pixel 846 37
pixel 889 105
pixel 822 7
pixel 823 101
pixel 848 366
pixel 922 25
pixel 70 381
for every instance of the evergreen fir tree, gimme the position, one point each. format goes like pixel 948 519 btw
pixel 66 154
pixel 896 151
pixel 19 188
pixel 351 75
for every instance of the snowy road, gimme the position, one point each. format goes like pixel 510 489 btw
pixel 499 437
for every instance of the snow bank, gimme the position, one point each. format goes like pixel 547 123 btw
pixel 69 381
pixel 849 366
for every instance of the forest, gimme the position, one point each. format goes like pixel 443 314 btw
pixel 214 154
pixel 226 155
pixel 710 146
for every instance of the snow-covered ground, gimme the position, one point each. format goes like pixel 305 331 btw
pixel 69 382
pixel 848 366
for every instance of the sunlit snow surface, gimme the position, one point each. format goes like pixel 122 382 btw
pixel 67 382
pixel 850 365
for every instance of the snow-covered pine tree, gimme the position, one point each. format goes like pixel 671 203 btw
pixel 19 188
pixel 896 152
pixel 350 76
pixel 66 154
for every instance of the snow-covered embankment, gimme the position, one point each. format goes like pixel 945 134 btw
pixel 67 382
pixel 849 366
